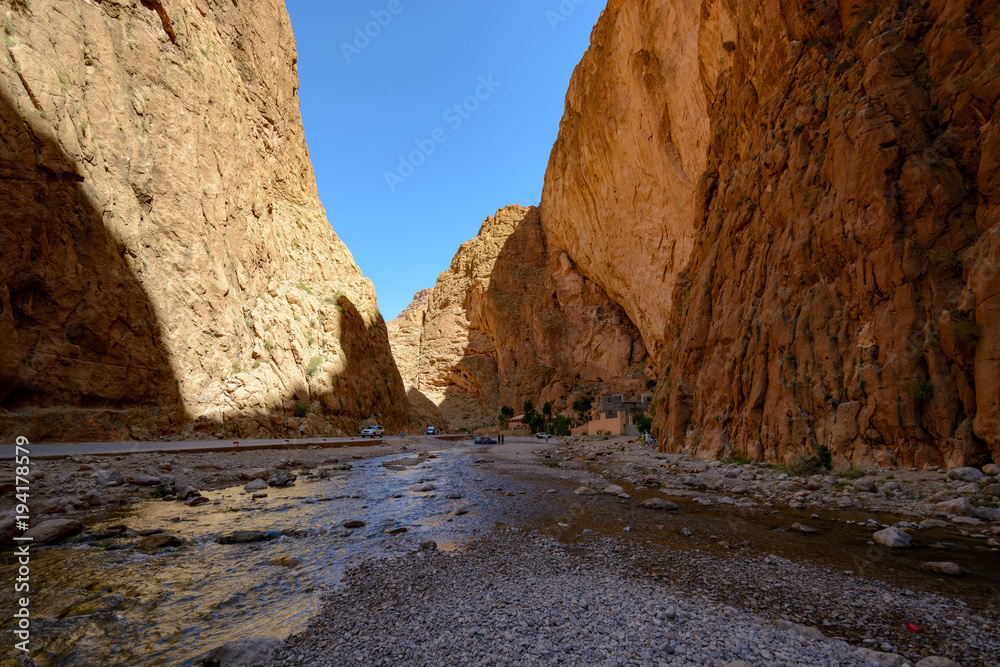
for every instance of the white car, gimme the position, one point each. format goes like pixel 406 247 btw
pixel 372 431
pixel 431 430
pixel 541 436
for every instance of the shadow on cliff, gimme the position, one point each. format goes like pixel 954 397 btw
pixel 370 386
pixel 514 327
pixel 485 377
pixel 425 411
pixel 82 354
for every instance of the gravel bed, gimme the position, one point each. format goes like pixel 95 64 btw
pixel 522 599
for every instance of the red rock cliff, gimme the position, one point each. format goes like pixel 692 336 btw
pixel 798 205
pixel 165 262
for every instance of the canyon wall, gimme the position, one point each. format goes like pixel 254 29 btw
pixel 510 321
pixel 798 205
pixel 166 266
pixel 619 195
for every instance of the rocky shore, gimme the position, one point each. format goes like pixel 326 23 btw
pixel 964 500
pixel 520 599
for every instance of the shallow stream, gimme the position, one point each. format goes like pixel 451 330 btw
pixel 102 602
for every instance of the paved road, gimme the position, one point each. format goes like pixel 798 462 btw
pixel 59 450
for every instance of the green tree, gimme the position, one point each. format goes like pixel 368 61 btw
pixel 561 426
pixel 643 422
pixel 528 408
pixel 547 409
pixel 506 412
pixel 536 422
pixel 581 407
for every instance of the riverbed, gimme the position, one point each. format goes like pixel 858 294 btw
pixel 103 601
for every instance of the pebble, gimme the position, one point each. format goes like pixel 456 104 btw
pixel 518 599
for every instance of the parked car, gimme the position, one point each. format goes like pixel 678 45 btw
pixel 541 436
pixel 431 430
pixel 372 432
pixel 485 440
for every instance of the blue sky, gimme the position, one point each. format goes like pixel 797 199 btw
pixel 370 99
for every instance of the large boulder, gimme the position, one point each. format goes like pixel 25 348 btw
pixel 109 477
pixel 965 474
pixel 54 530
pixel 986 513
pixel 865 484
pixel 282 478
pixel 942 567
pixel 659 504
pixel 791 485
pixel 255 473
pixel 159 541
pixel 893 538
pixel 146 480
pixel 246 537
pixel 957 507
pixel 243 652
pixel 257 484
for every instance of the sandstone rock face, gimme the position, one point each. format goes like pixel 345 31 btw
pixel 510 321
pixel 799 207
pixel 405 333
pixel 404 337
pixel 620 188
pixel 165 262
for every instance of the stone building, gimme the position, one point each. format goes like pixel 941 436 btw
pixel 615 415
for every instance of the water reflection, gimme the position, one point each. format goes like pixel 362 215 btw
pixel 103 602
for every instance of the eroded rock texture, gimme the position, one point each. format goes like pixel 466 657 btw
pixel 165 262
pixel 826 176
pixel 619 195
pixel 510 321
